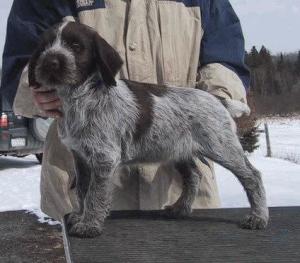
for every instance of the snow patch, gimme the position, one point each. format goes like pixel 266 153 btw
pixel 20 186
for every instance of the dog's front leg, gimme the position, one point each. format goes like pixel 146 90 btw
pixel 83 174
pixel 97 201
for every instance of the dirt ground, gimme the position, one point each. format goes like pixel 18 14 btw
pixel 23 239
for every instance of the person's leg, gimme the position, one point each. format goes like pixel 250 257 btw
pixel 208 194
pixel 57 199
pixel 160 187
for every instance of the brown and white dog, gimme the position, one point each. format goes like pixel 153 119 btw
pixel 108 123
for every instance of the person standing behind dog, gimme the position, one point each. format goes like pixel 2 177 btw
pixel 197 44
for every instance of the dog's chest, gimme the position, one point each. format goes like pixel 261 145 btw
pixel 73 129
pixel 85 128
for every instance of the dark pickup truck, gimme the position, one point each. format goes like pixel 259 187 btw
pixel 20 136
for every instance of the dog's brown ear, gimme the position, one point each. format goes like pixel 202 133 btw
pixel 108 60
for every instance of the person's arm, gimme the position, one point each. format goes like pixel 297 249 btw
pixel 222 70
pixel 28 19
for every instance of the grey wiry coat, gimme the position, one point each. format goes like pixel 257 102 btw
pixel 109 124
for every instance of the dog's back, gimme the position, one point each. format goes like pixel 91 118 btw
pixel 171 122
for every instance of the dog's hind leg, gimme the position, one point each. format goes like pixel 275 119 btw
pixel 191 177
pixel 258 219
pixel 228 152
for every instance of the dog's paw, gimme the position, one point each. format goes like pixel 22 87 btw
pixel 73 218
pixel 84 230
pixel 254 222
pixel 177 211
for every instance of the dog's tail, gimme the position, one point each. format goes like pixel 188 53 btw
pixel 236 108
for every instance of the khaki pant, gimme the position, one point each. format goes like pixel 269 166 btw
pixel 151 188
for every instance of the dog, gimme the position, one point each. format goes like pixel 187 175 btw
pixel 109 123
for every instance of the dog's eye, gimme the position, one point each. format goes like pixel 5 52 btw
pixel 76 47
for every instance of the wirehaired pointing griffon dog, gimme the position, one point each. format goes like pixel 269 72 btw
pixel 108 123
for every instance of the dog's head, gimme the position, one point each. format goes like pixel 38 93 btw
pixel 69 53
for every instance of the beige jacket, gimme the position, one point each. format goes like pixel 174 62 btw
pixel 161 42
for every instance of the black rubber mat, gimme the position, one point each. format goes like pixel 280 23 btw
pixel 24 240
pixel 207 236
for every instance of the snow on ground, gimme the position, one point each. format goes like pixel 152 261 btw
pixel 281 174
pixel 285 139
pixel 281 179
pixel 20 186
pixel 20 178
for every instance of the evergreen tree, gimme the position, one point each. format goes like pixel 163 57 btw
pixel 252 59
pixel 265 57
pixel 268 70
pixel 280 63
pixel 297 65
pixel 275 80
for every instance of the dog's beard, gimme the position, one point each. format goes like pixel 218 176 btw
pixel 67 76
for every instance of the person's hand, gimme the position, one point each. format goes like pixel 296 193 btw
pixel 47 101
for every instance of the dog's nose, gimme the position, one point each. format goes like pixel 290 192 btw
pixel 53 63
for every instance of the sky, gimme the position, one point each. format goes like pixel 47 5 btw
pixel 273 23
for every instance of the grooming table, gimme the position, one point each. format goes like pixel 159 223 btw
pixel 206 236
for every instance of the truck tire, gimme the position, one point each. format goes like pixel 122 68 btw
pixel 39 128
pixel 39 157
